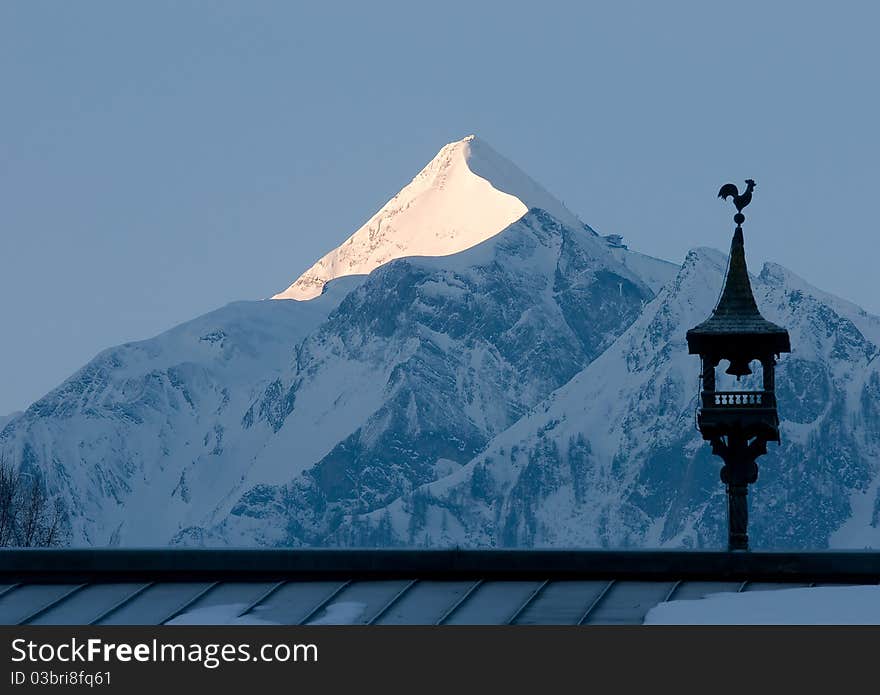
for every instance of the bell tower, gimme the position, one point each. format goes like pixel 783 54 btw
pixel 738 424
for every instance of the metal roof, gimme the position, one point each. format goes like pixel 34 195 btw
pixel 388 587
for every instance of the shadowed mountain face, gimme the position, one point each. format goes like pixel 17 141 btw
pixel 474 367
pixel 427 360
pixel 613 457
pixel 272 422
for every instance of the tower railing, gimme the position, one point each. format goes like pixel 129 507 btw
pixel 738 399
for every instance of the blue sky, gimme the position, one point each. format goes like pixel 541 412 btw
pixel 160 159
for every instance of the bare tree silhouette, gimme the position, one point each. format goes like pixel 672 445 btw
pixel 29 516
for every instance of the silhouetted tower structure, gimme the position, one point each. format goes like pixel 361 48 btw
pixel 738 424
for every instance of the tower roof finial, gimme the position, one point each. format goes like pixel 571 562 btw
pixel 736 321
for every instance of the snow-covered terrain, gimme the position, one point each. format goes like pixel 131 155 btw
pixel 473 367
pixel 419 367
pixel 149 434
pixel 613 457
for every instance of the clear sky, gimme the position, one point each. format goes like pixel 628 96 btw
pixel 160 159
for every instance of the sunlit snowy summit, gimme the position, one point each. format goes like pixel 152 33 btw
pixel 468 193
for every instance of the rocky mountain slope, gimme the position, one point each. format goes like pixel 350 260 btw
pixel 422 364
pixel 613 457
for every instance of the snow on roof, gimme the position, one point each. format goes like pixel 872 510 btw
pixel 821 605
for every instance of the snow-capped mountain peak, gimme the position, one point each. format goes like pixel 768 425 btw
pixel 467 194
pixel 514 379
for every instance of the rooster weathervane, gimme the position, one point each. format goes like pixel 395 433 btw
pixel 728 190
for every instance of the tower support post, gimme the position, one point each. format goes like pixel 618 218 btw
pixel 738 517
pixel 739 471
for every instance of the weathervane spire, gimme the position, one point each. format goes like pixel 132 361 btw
pixel 728 190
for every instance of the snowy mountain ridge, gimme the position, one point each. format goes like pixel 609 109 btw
pixel 475 367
